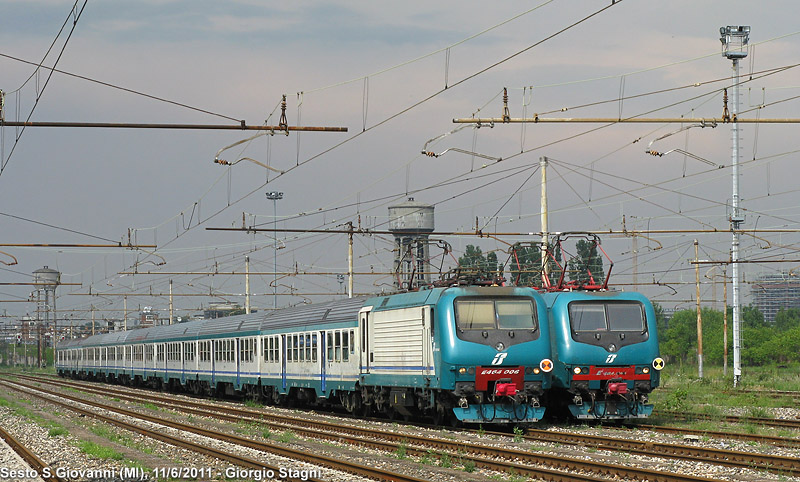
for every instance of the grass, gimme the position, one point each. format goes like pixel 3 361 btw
pixel 714 395
pixel 681 388
pixel 99 451
pixel 109 434
pixel 57 431
pixel 21 411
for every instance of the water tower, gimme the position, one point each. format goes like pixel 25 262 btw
pixel 411 223
pixel 46 280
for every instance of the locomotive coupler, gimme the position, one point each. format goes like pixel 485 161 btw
pixel 462 402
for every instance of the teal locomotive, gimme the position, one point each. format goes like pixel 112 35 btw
pixel 605 348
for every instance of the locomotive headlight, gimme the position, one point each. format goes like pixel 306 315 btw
pixel 576 370
pixel 646 370
pixel 462 370
pixel 536 371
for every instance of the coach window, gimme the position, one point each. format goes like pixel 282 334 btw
pixel 330 346
pixel 313 347
pixel 308 347
pixel 301 347
pixel 338 345
pixel 345 346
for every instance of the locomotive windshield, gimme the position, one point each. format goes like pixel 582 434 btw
pixel 606 316
pixel 503 314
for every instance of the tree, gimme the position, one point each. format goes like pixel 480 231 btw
pixel 587 266
pixel 474 261
pixel 679 341
pixel 526 265
pixel 787 319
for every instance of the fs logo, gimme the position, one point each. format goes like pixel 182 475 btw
pixel 611 358
pixel 498 359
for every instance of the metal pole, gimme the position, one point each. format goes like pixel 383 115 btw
pixel 725 323
pixel 125 313
pixel 350 263
pixel 699 316
pixel 736 222
pixel 246 284
pixel 544 227
pixel 275 255
pixel 274 196
pixel 171 310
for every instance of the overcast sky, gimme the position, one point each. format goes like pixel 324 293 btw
pixel 380 69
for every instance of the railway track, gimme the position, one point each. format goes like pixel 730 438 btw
pixel 744 437
pixel 30 458
pixel 236 459
pixel 766 422
pixel 420 445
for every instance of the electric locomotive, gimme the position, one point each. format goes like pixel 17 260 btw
pixel 483 358
pixel 605 344
pixel 606 354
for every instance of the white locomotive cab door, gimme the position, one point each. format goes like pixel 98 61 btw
pixel 427 340
pixel 364 335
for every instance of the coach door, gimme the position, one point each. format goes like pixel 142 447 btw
pixel 214 349
pixel 323 359
pixel 238 355
pixel 363 322
pixel 283 361
pixel 183 347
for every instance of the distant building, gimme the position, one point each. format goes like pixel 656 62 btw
pixel 219 310
pixel 148 317
pixel 774 292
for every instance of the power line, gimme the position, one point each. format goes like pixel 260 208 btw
pixel 57 227
pixel 41 92
pixel 125 89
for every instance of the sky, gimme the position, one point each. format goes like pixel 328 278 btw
pixel 395 75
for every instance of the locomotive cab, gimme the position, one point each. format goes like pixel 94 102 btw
pixel 496 351
pixel 607 353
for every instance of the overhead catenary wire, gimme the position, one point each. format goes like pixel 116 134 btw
pixel 47 82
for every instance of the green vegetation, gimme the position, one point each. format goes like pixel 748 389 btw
pixel 109 434
pixel 99 451
pixel 286 437
pixel 402 450
pixel 518 434
pixel 765 344
pixel 57 431
pixel 469 466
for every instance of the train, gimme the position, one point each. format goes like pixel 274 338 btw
pixel 454 354
pixel 460 352
pixel 605 348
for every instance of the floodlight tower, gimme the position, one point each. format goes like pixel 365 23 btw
pixel 274 196
pixel 734 47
